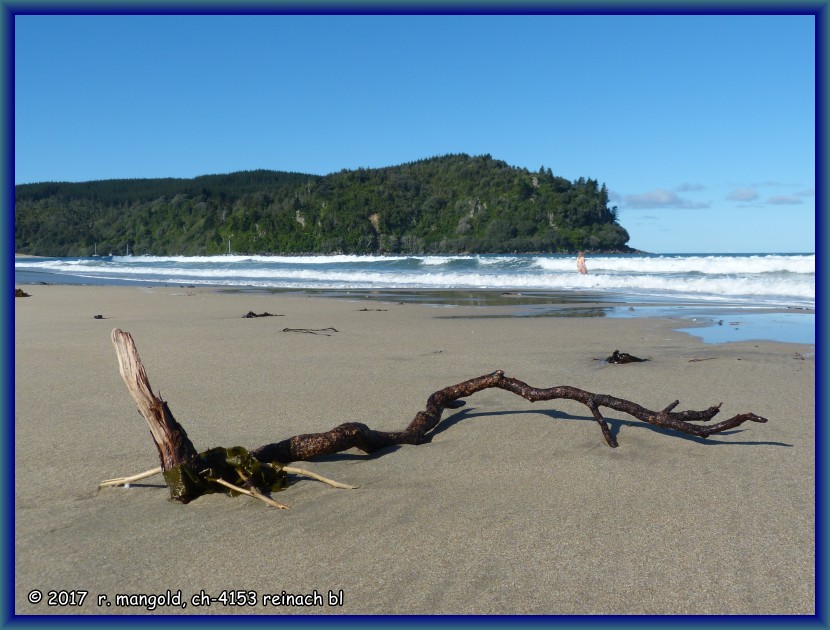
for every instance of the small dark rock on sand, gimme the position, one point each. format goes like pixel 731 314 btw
pixel 623 357
pixel 250 314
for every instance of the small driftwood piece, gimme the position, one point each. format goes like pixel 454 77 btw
pixel 190 474
pixel 312 331
pixel 251 314
pixel 126 481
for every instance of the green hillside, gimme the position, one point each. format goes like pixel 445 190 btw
pixel 447 204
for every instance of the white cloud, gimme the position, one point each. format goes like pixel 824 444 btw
pixel 686 187
pixel 661 198
pixel 772 183
pixel 784 200
pixel 743 194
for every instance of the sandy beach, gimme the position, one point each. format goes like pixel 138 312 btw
pixel 513 508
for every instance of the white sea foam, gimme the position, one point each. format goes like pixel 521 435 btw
pixel 227 259
pixel 434 261
pixel 784 279
pixel 688 264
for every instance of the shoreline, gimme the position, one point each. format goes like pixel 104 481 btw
pixel 512 508
pixel 699 317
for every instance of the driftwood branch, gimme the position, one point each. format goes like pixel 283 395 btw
pixel 190 474
pixel 358 435
pixel 169 436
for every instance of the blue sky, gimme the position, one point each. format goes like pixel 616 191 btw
pixel 702 127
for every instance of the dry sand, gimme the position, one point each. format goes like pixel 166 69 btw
pixel 513 508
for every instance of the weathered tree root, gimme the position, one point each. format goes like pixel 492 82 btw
pixel 190 474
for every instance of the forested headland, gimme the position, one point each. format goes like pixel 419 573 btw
pixel 442 205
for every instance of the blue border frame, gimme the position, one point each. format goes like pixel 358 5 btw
pixel 9 8
pixel 7 345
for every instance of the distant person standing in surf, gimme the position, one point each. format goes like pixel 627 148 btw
pixel 580 263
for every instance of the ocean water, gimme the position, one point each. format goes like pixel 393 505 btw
pixel 770 280
pixel 721 297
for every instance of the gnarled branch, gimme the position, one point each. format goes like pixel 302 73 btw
pixel 190 474
pixel 358 435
